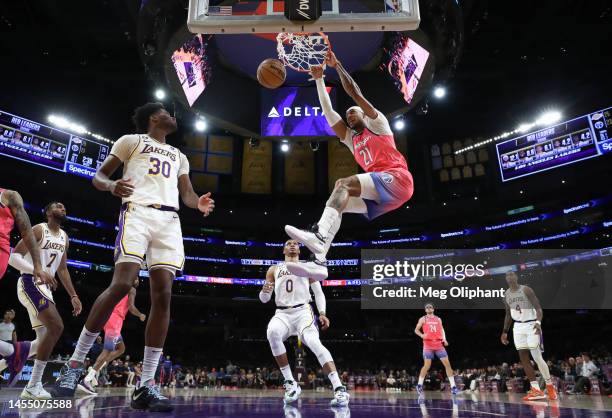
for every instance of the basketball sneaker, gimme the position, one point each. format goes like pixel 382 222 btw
pixel 16 361
pixel 148 397
pixel 534 395
pixel 314 269
pixel 66 383
pixel 419 389
pixel 292 391
pixel 311 238
pixel 86 388
pixel 552 392
pixel 341 397
pixel 35 392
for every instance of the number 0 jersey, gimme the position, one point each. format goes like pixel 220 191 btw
pixel 290 290
pixel 153 167
pixel 374 148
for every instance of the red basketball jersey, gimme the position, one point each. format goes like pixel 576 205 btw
pixel 374 148
pixel 121 308
pixel 6 226
pixel 432 328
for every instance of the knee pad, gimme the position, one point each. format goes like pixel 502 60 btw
pixel 275 337
pixel 311 339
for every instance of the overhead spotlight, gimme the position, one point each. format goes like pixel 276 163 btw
pixel 548 118
pixel 439 92
pixel 399 124
pixel 253 142
pixel 64 123
pixel 200 125
pixel 314 145
pixel 285 146
pixel 160 94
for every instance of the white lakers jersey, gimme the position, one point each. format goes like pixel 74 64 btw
pixel 52 248
pixel 153 167
pixel 521 307
pixel 290 290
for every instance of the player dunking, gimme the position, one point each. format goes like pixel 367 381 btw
pixel 114 346
pixel 430 329
pixel 294 316
pixel 13 213
pixel 385 185
pixel 523 306
pixel 38 298
pixel 154 174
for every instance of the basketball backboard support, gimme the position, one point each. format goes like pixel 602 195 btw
pixel 267 16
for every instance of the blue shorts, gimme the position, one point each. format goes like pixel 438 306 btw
pixel 394 187
pixel 111 341
pixel 429 354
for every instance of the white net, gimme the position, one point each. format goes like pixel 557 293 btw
pixel 300 51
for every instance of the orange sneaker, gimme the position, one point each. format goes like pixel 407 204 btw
pixel 534 395
pixel 552 393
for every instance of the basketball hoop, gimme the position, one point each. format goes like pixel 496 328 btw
pixel 302 50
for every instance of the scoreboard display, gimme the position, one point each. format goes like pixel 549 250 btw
pixel 42 145
pixel 575 140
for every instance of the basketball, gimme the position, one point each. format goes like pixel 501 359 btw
pixel 271 73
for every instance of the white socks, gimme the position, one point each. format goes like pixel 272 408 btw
pixel 421 380
pixel 334 379
pixel 451 379
pixel 535 385
pixel 329 224
pixel 286 371
pixel 37 372
pixel 149 364
pixel 542 366
pixel 6 349
pixel 86 340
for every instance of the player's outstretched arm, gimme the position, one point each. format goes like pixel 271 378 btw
pixel 350 86
pixel 190 198
pixel 417 329
pixel 132 305
pixel 266 291
pixel 15 204
pixel 64 276
pixel 333 118
pixel 321 303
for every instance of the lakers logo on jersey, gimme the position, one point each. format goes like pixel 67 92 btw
pixel 42 302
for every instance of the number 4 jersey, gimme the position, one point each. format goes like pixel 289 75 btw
pixel 153 168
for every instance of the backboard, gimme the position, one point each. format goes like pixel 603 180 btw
pixel 267 16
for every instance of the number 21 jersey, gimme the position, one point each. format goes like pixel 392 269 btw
pixel 153 168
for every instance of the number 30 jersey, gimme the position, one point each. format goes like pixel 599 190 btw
pixel 153 167
pixel 374 148
pixel 290 290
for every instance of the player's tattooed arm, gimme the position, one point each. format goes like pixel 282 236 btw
pixel 507 323
pixel 190 198
pixel 64 276
pixel 101 181
pixel 132 305
pixel 350 86
pixel 417 329
pixel 15 204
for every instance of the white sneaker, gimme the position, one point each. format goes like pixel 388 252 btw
pixel 341 397
pixel 311 239
pixel 315 270
pixel 292 391
pixel 86 388
pixel 35 392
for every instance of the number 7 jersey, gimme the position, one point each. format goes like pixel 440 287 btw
pixel 153 168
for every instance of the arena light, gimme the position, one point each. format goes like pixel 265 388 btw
pixel 284 146
pixel 439 92
pixel 200 125
pixel 63 122
pixel 160 94
pixel 399 124
pixel 548 118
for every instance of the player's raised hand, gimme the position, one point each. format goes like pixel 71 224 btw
pixel 205 204
pixel 504 338
pixel 122 187
pixel 316 72
pixel 324 321
pixel 331 60
pixel 77 307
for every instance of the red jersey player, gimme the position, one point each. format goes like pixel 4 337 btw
pixel 385 185
pixel 434 341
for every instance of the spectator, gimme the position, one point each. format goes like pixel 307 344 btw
pixel 588 370
pixel 7 328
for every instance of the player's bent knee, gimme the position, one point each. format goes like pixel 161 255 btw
pixel 311 339
pixel 275 338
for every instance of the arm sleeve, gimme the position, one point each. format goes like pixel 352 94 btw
pixel 184 167
pixel 379 125
pixel 319 297
pixel 330 114
pixel 264 297
pixel 19 262
pixel 124 146
pixel 348 139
